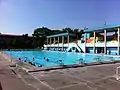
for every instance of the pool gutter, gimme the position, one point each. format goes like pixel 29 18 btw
pixel 73 66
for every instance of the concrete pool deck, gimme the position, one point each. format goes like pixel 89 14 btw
pixel 9 80
pixel 97 77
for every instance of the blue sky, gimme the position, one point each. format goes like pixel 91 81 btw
pixel 23 16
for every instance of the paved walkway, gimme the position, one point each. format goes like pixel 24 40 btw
pixel 9 79
pixel 100 77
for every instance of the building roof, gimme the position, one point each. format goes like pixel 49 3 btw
pixel 108 27
pixel 62 34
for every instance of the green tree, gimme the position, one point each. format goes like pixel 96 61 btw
pixel 42 32
pixel 40 35
pixel 78 33
pixel 56 32
pixel 65 30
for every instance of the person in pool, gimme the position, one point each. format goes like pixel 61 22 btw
pixel 33 59
pixel 47 60
pixel 40 65
pixel 44 57
pixel 19 59
pixel 81 61
pixel 25 59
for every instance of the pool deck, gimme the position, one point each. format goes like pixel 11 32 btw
pixel 9 80
pixel 97 77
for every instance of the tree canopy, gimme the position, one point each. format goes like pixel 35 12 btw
pixel 41 33
pixel 44 31
pixel 38 38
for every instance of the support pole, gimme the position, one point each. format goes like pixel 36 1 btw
pixel 105 41
pixel 54 43
pixel 85 42
pixel 94 43
pixel 50 43
pixel 68 40
pixel 58 43
pixel 47 43
pixel 118 40
pixel 62 42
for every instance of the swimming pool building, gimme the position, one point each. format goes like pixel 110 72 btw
pixel 104 39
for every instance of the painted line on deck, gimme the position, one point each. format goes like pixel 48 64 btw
pixel 45 84
pixel 27 82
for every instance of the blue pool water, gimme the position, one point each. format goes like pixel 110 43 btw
pixel 54 58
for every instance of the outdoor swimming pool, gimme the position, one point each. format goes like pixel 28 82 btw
pixel 54 58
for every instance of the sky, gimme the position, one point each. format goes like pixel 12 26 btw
pixel 23 16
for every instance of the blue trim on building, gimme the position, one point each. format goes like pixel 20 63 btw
pixel 101 28
pixel 62 34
